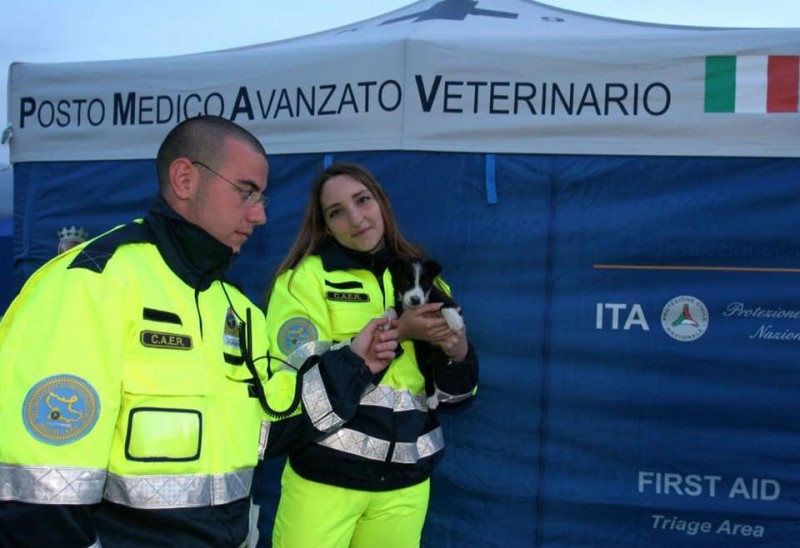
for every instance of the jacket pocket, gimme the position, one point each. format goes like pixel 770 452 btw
pixel 348 318
pixel 164 400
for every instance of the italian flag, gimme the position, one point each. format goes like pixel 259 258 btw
pixel 750 83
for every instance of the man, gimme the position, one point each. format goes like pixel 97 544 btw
pixel 131 397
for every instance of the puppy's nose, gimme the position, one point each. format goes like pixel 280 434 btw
pixel 415 301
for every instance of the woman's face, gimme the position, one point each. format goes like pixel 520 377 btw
pixel 352 214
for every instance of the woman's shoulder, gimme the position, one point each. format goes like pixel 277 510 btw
pixel 308 266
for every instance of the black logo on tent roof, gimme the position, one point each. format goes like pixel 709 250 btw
pixel 452 10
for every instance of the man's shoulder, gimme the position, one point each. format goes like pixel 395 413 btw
pixel 96 253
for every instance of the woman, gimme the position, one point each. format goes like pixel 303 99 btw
pixel 358 475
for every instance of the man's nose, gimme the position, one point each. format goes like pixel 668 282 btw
pixel 257 214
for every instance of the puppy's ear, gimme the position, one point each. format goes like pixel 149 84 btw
pixel 433 267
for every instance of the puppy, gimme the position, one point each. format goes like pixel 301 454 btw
pixel 413 285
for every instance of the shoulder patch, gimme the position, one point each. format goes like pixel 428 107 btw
pixel 294 332
pixel 60 409
pixel 97 252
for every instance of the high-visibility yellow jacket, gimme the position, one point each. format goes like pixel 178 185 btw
pixel 122 382
pixel 383 436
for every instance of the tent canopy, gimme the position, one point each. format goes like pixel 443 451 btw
pixel 615 207
pixel 509 76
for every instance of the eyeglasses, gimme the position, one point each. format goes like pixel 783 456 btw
pixel 249 196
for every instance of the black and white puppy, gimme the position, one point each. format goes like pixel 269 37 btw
pixel 413 286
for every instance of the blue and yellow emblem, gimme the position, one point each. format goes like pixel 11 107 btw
pixel 61 409
pixel 231 335
pixel 294 332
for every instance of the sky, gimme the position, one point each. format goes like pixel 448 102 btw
pixel 52 31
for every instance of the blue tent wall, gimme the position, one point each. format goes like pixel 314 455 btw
pixel 6 263
pixel 591 421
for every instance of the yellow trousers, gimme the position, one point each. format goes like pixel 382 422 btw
pixel 317 515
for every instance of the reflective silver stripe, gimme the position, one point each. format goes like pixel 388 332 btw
pixel 298 357
pixel 97 544
pixel 369 388
pixel 451 398
pixel 397 400
pixel 317 404
pixel 51 485
pixel 427 445
pixel 263 436
pixel 356 443
pixel 178 491
pixel 360 444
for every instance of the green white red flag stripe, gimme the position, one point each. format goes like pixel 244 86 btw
pixel 752 84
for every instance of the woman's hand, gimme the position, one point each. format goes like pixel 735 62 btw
pixel 423 324
pixel 426 323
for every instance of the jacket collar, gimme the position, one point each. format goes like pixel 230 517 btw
pixel 193 254
pixel 337 257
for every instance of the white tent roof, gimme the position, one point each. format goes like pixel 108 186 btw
pixel 505 76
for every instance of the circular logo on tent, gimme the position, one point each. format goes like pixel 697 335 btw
pixel 61 409
pixel 685 318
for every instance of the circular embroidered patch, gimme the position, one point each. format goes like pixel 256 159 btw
pixel 61 409
pixel 294 332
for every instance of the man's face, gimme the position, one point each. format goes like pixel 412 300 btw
pixel 219 205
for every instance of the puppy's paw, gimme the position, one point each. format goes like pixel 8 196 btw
pixel 453 318
pixel 390 313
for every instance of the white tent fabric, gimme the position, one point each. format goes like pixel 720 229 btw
pixel 509 76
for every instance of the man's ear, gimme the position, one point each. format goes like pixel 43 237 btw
pixel 183 178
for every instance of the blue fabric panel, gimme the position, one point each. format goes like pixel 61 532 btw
pixel 627 403
pixel 491 179
pixel 6 270
pixel 94 195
